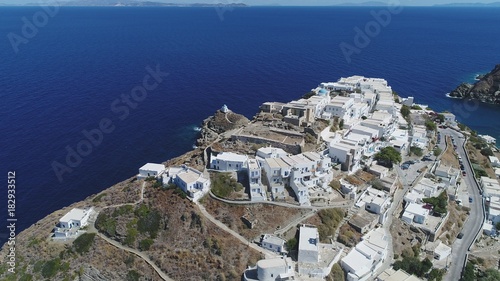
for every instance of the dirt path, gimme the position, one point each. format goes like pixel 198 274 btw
pixel 143 256
pixel 268 254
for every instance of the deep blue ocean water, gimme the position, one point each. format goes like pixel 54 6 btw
pixel 65 78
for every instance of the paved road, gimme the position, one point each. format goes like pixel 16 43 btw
pixel 474 223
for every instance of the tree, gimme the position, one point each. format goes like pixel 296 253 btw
pixel 438 203
pixel 487 151
pixel 440 117
pixel 437 151
pixel 469 274
pixel 490 274
pixel 430 126
pixel 416 150
pixel 405 111
pixel 388 156
pixel 336 274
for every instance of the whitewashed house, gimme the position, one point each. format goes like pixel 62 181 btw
pixel 346 152
pixel 308 245
pixel 257 190
pixel 494 161
pixel 71 222
pixel 362 262
pixel 191 181
pixel 270 152
pixel 442 251
pixel 228 162
pixel 277 173
pixel 415 213
pixel 274 269
pixel 151 170
pixel 273 243
pixel 340 107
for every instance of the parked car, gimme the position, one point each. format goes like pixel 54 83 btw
pixel 460 235
pixel 464 173
pixel 405 166
pixel 470 199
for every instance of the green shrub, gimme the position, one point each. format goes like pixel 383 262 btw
pixel 99 197
pixel 106 224
pixel 51 268
pixel 133 275
pixel 83 243
pixel 145 244
pixel 330 220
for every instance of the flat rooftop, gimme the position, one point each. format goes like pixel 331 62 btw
pixel 308 239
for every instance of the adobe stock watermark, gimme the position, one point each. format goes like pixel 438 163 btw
pixel 465 108
pixel 121 108
pixel 32 25
pixel 223 7
pixel 372 29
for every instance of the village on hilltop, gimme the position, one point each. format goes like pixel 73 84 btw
pixel 400 186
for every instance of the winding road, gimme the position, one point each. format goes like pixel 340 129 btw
pixel 473 225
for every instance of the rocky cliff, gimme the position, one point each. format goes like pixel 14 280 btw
pixel 487 89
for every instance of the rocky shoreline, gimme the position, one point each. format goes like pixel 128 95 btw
pixel 486 89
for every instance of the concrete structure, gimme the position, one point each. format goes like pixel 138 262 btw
pixel 151 170
pixel 228 161
pixel 347 153
pixel 488 139
pixel 273 243
pixel 363 260
pixel 419 138
pixel 299 113
pixel 190 180
pixel 275 269
pixel 272 107
pixel 348 189
pixel 379 171
pixel 491 187
pixel 308 245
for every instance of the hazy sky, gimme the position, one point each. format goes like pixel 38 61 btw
pixel 289 2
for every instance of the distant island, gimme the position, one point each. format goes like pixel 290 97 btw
pixel 486 89
pixel 133 3
pixel 494 4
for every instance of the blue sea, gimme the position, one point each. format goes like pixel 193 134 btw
pixel 75 70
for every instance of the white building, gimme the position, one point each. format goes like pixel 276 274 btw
pixel 363 260
pixel 441 251
pixel 308 245
pixel 379 171
pixel 449 118
pixel 273 243
pixel 190 180
pixel 71 222
pixel 346 152
pixel 494 161
pixel 415 213
pixel 151 170
pixel 488 139
pixel 270 152
pixel 75 218
pixel 339 107
pixel 277 174
pixel 257 190
pixel 275 269
pixel 419 138
pixel 491 187
pixel 348 189
pixel 228 161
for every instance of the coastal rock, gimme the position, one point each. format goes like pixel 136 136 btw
pixel 219 123
pixel 487 89
pixel 461 91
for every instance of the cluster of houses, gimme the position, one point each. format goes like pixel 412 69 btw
pixel 314 259
pixel 491 194
pixel 369 116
